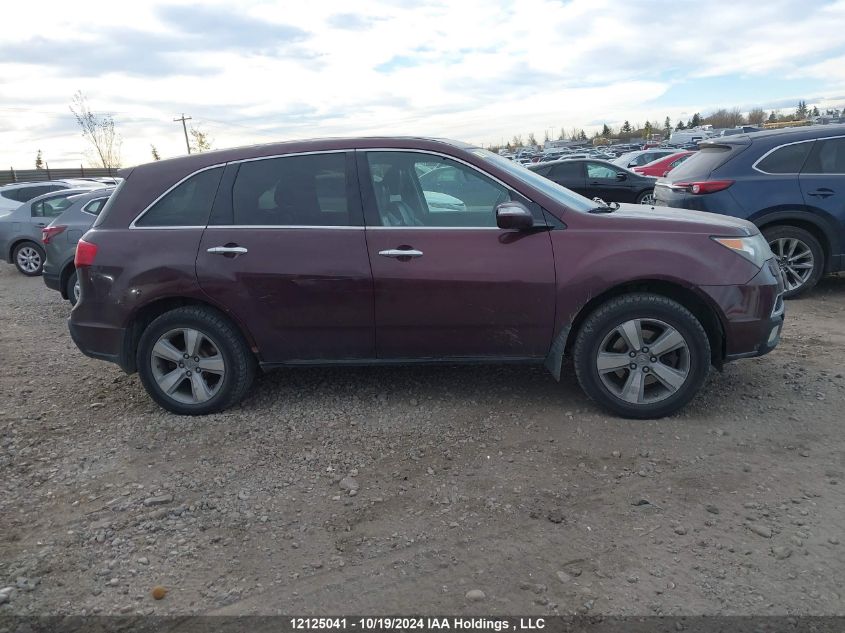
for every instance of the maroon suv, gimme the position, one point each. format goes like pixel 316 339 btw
pixel 201 269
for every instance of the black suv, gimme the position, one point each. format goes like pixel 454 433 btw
pixel 789 182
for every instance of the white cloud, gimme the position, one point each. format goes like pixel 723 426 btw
pixel 478 70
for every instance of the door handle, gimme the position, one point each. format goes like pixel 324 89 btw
pixel 824 192
pixel 228 250
pixel 400 252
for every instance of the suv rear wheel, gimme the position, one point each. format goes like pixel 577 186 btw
pixel 193 361
pixel 641 355
pixel 29 258
pixel 799 255
pixel 72 288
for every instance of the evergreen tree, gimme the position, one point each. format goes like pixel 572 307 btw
pixel 154 152
pixel 773 117
pixel 39 161
pixel 680 125
pixel 696 120
pixel 801 111
pixel 605 131
pixel 626 128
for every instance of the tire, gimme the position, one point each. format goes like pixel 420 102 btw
pixel 29 259
pixel 684 367
pixel 72 288
pixel 227 366
pixel 806 250
pixel 646 197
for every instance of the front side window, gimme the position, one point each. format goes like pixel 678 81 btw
pixel 598 171
pixel 414 189
pixel 827 157
pixel 306 190
pixel 51 207
pixel 786 160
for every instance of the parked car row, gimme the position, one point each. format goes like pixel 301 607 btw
pixel 599 179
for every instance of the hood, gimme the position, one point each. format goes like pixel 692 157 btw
pixel 644 217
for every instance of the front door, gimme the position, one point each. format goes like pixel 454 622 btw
pixel 608 182
pixel 285 252
pixel 448 282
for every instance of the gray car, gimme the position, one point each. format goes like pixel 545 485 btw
pixel 20 229
pixel 61 235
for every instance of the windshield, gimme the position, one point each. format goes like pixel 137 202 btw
pixel 564 196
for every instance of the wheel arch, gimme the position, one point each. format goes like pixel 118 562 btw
pixel 146 314
pixel 67 271
pixel 702 307
pixel 818 226
pixel 17 242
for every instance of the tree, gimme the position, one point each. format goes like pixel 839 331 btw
pixel 647 130
pixel 517 141
pixel 39 161
pixel 680 126
pixel 756 116
pixel 605 131
pixel 200 140
pixel 801 110
pixel 546 137
pixel 815 111
pixel 154 152
pixel 582 136
pixel 773 117
pixel 562 135
pixel 695 121
pixel 626 128
pixel 667 126
pixel 99 130
pixel 532 141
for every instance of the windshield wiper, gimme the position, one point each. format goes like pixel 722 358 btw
pixel 603 206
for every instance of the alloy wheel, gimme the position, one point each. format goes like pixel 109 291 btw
pixel 29 259
pixel 187 366
pixel 643 361
pixel 648 199
pixel 795 259
pixel 76 292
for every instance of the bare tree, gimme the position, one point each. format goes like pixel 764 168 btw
pixel 200 140
pixel 756 116
pixel 98 130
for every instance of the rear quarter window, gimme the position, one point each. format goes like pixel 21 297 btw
pixel 786 160
pixel 187 204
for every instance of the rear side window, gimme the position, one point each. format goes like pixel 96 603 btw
pixel 569 170
pixel 308 190
pixel 188 204
pixel 786 160
pixel 704 161
pixel 827 157
pixel 51 207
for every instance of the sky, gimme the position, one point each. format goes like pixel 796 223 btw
pixel 475 70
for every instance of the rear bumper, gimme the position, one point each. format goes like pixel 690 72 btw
pixel 753 313
pixel 52 281
pixel 102 343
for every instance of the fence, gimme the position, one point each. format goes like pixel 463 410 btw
pixel 29 175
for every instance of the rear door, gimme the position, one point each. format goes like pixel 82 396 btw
pixel 448 282
pixel 285 252
pixel 823 185
pixel 569 174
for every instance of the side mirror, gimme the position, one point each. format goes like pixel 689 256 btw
pixel 513 215
pixel 621 176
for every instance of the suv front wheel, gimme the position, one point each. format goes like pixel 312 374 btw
pixel 193 361
pixel 799 255
pixel 641 355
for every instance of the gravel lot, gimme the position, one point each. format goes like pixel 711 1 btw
pixel 402 490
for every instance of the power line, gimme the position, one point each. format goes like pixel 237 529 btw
pixel 185 129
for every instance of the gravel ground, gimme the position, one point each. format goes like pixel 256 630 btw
pixel 424 490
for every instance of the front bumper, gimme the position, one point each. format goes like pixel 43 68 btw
pixel 753 313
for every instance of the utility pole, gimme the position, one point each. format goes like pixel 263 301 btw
pixel 185 129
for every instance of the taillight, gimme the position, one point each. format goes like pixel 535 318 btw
pixel 703 186
pixel 85 254
pixel 49 232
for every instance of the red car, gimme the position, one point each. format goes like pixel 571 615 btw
pixel 663 166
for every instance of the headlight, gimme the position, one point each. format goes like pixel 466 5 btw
pixel 754 248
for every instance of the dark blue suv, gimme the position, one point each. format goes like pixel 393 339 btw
pixel 789 182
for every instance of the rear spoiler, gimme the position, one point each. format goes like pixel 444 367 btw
pixel 737 139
